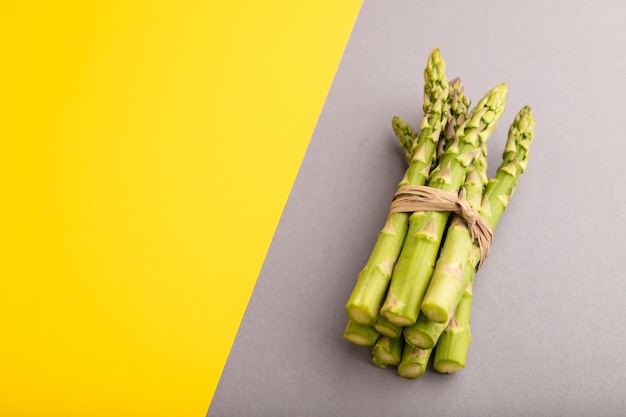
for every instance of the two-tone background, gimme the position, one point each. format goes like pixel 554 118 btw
pixel 190 188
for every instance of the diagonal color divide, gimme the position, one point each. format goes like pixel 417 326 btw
pixel 544 337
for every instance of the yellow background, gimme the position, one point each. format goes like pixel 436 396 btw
pixel 148 149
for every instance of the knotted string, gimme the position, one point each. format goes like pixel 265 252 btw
pixel 411 198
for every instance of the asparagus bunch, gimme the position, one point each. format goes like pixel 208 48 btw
pixel 413 297
pixel 414 269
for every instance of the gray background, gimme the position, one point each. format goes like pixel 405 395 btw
pixel 548 316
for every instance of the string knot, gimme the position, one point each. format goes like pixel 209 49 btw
pixel 412 198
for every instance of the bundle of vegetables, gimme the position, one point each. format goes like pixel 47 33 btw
pixel 413 297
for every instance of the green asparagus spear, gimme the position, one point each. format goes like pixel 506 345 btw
pixel 414 362
pixel 449 278
pixel 385 327
pixel 414 268
pixel 387 351
pixel 372 283
pixel 424 333
pixel 501 188
pixel 457 114
pixel 406 136
pixel 360 334
pixel 453 344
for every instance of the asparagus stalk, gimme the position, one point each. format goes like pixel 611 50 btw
pixel 414 362
pixel 415 265
pixel 387 351
pixel 378 363
pixel 453 344
pixel 406 136
pixel 459 104
pixel 449 277
pixel 424 333
pixel 385 327
pixel 373 280
pixel 360 334
pixel 501 188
